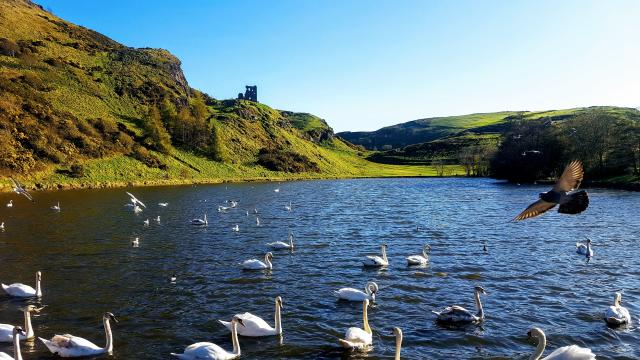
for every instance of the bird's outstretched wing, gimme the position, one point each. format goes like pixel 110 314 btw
pixel 535 209
pixel 571 177
pixel 17 187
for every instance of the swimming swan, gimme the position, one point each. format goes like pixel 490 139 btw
pixel 356 338
pixel 585 248
pixel 56 207
pixel 211 351
pixel 573 352
pixel 617 314
pixel 17 332
pixel 377 261
pixel 200 222
pixel 398 334
pixel 420 259
pixel 73 346
pixel 6 330
pixel 281 245
pixel 10 203
pixel 351 294
pixel 254 326
pixel 458 314
pixel 22 290
pixel 255 264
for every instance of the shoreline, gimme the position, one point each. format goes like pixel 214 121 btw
pixel 5 187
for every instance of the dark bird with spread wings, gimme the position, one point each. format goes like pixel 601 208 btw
pixel 18 189
pixel 563 193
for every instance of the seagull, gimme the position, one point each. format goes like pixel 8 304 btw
pixel 236 228
pixel 135 242
pixel 158 219
pixel 276 190
pixel 563 193
pixel 146 222
pixel 10 203
pixel 173 278
pixel 163 204
pixel 223 208
pixel 18 189
pixel 56 207
pixel 137 209
pixel 135 201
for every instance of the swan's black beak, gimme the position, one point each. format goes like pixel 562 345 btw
pixel 240 321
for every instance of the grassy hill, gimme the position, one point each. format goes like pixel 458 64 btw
pixel 439 128
pixel 79 109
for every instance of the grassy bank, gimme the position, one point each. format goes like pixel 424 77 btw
pixel 187 168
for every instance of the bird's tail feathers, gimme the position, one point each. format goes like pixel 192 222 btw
pixel 577 203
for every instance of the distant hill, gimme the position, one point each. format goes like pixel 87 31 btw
pixel 79 109
pixel 438 128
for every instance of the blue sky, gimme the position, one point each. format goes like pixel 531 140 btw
pixel 364 64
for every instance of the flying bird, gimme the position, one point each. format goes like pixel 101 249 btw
pixel 134 200
pixel 18 189
pixel 563 193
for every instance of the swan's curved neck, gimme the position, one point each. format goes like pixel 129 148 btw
pixel 425 253
pixel 38 288
pixel 542 343
pixel 365 318
pixel 291 240
pixel 27 324
pixel 234 338
pixel 618 300
pixel 206 222
pixel 384 253
pixel 107 330
pixel 479 305
pixel 268 262
pixel 278 320
pixel 16 347
pixel 398 346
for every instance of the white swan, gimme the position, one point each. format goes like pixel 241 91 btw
pixel 56 207
pixel 163 204
pixel 257 221
pixel 617 314
pixel 288 207
pixel 458 314
pixel 22 290
pixel 2 226
pixel 281 245
pixel 158 219
pixel 146 222
pixel 585 248
pixel 200 222
pixel 73 346
pixel 211 351
pixel 255 264
pixel 356 338
pixel 135 242
pixel 377 261
pixel 254 326
pixel 137 209
pixel 223 208
pixel 173 278
pixel 573 352
pixel 398 334
pixel 351 294
pixel 17 333
pixel 236 228
pixel 420 259
pixel 10 203
pixel 276 190
pixel 6 330
pixel 135 201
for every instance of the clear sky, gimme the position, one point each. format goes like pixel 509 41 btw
pixel 364 64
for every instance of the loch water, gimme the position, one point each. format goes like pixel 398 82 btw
pixel 531 271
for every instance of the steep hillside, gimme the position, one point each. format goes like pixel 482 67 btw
pixel 79 109
pixel 437 128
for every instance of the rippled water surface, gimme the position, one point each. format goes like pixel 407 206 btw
pixel 531 272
